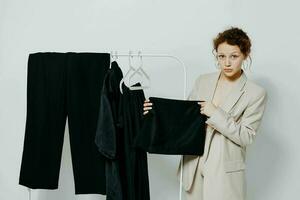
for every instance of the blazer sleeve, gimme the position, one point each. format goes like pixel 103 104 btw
pixel 244 131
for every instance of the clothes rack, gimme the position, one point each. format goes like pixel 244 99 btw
pixel 163 56
pixel 184 96
pixel 184 90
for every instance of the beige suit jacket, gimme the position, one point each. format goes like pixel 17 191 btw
pixel 235 122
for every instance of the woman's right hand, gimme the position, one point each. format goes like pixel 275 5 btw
pixel 147 106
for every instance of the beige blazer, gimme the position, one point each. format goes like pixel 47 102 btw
pixel 233 126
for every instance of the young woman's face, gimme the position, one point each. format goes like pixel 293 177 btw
pixel 230 59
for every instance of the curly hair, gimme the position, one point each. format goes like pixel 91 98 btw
pixel 234 36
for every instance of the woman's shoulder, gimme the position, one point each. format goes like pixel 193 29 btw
pixel 255 90
pixel 251 85
pixel 206 76
pixel 251 88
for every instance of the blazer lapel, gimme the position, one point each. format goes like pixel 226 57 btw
pixel 227 104
pixel 211 86
pixel 235 94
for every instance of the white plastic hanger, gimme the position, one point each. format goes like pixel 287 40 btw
pixel 131 70
pixel 113 58
pixel 142 72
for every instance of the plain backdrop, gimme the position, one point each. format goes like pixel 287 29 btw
pixel 181 28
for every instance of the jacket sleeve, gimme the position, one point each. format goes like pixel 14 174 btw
pixel 244 131
pixel 105 138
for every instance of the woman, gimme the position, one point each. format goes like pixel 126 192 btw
pixel 234 106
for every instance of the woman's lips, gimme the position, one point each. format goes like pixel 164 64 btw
pixel 227 70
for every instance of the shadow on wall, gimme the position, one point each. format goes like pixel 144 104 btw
pixel 265 154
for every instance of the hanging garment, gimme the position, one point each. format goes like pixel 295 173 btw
pixel 118 123
pixel 61 85
pixel 173 127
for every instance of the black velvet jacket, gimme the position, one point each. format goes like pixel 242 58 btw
pixel 118 123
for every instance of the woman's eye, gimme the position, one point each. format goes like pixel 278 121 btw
pixel 235 56
pixel 221 56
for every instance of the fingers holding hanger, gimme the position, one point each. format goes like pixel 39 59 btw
pixel 147 106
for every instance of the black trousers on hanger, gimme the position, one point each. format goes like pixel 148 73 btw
pixel 63 85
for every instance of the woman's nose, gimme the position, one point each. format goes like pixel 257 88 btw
pixel 227 62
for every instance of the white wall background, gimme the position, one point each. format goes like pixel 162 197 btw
pixel 181 28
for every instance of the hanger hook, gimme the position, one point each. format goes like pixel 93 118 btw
pixel 111 55
pixel 141 60
pixel 129 57
pixel 116 55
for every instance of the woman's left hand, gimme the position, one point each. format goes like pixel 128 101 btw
pixel 207 108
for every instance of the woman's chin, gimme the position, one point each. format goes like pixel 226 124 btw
pixel 230 74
